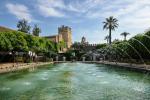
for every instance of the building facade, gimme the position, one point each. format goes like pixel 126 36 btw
pixel 64 34
pixel 55 38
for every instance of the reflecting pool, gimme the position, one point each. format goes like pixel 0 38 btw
pixel 75 81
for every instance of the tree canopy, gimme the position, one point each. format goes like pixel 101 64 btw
pixel 18 41
pixel 36 30
pixel 23 26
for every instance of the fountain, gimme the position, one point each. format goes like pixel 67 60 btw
pixel 79 80
pixel 147 74
pixel 136 52
pixel 125 53
pixel 142 44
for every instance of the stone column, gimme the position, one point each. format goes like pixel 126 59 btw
pixel 83 59
pixel 94 58
pixel 64 58
pixel 56 58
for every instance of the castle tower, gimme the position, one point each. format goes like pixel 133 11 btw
pixel 66 33
pixel 83 40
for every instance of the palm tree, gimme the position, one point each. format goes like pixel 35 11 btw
pixel 125 35
pixel 110 24
pixel 107 38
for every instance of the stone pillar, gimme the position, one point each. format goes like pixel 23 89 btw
pixel 51 59
pixel 94 58
pixel 56 58
pixel 83 59
pixel 64 58
pixel 101 59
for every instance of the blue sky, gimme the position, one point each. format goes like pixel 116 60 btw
pixel 84 16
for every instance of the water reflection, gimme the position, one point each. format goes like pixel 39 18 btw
pixel 75 81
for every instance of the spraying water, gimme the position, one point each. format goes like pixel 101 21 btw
pixel 141 59
pixel 141 44
pixel 125 53
pixel 136 52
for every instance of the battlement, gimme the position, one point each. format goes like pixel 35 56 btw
pixel 64 29
pixel 88 45
pixel 92 45
pixel 85 43
pixel 66 33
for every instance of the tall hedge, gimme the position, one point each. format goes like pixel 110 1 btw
pixel 18 41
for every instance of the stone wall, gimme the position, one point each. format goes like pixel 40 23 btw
pixel 55 38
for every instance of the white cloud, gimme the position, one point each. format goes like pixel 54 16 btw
pixel 52 3
pixel 132 14
pixel 129 12
pixel 72 8
pixel 57 8
pixel 138 19
pixel 49 11
pixel 49 8
pixel 20 11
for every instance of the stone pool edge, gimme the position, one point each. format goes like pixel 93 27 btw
pixel 136 67
pixel 20 66
pixel 6 68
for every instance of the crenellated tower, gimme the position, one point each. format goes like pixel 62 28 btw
pixel 66 33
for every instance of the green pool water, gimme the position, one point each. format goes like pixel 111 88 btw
pixel 75 81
